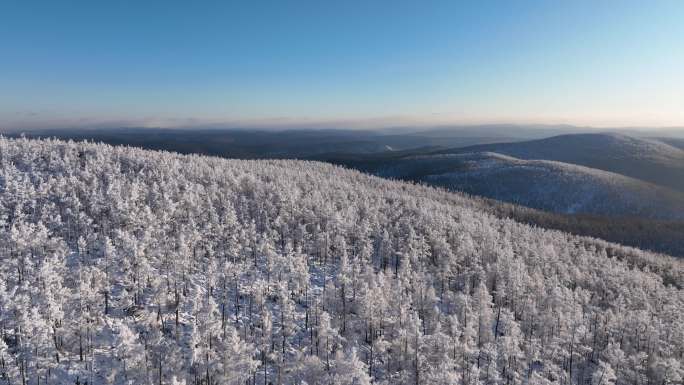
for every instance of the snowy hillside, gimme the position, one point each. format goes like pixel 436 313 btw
pixel 674 142
pixel 648 160
pixel 546 185
pixel 125 266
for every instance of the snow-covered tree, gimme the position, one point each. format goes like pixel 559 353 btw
pixel 125 266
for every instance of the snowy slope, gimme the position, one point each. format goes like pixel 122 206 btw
pixel 674 142
pixel 546 185
pixel 649 160
pixel 125 266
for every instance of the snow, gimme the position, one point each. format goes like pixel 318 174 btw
pixel 124 266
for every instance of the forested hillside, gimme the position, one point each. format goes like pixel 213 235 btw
pixel 575 199
pixel 649 160
pixel 126 266
pixel 674 142
pixel 545 185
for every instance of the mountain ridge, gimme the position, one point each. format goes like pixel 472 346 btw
pixel 649 160
pixel 548 185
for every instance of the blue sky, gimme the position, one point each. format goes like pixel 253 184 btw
pixel 173 63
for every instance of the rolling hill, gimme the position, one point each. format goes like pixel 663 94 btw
pixel 674 142
pixel 545 185
pixel 127 266
pixel 649 160
pixel 574 198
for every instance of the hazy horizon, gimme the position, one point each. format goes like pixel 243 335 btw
pixel 276 125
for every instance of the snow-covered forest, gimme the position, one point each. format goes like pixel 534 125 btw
pixel 545 185
pixel 126 266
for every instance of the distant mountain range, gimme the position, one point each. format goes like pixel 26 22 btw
pixel 304 143
pixel 254 144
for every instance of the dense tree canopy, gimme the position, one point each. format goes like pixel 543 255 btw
pixel 125 266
